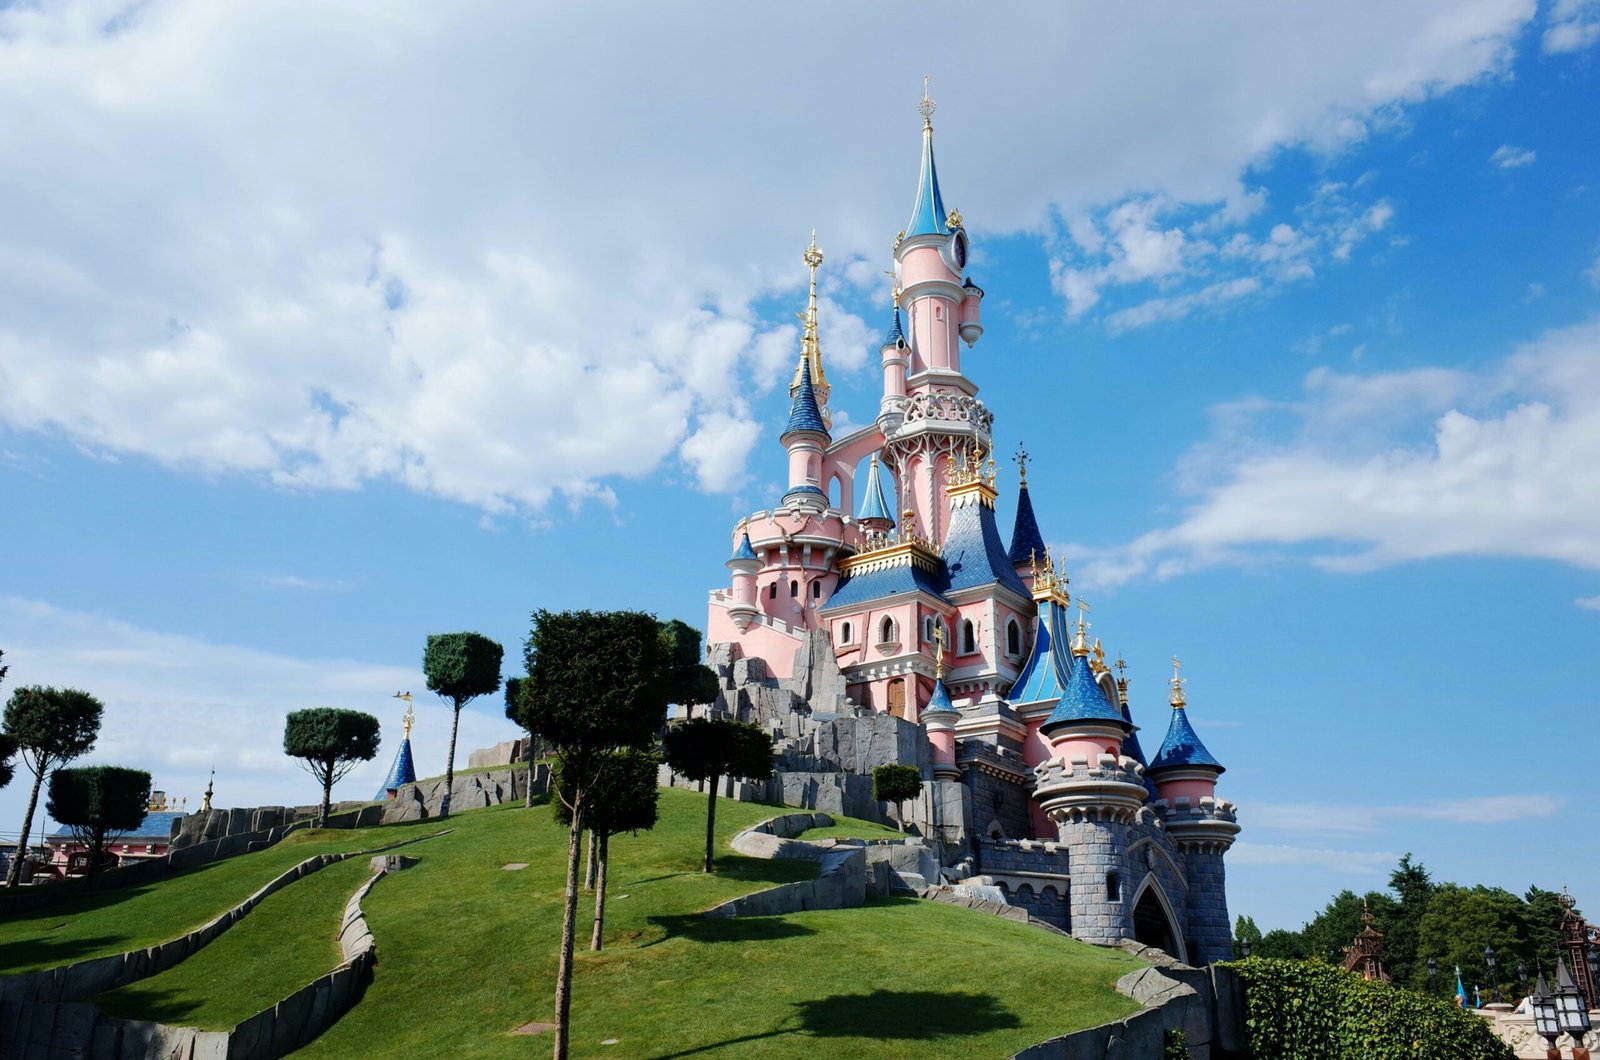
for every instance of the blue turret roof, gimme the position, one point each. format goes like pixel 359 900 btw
pixel 939 702
pixel 928 215
pixel 744 551
pixel 402 772
pixel 154 826
pixel 1082 700
pixel 973 554
pixel 868 586
pixel 1044 675
pixel 874 505
pixel 1026 543
pixel 1182 747
pixel 803 412
pixel 896 335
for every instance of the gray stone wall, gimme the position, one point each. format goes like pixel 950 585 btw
pixel 1045 887
pixel 996 801
pixel 1096 848
pixel 1209 930
pixel 471 791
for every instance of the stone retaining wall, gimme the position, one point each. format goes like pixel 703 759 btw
pixel 841 878
pixel 470 791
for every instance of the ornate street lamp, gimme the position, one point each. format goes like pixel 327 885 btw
pixel 1244 947
pixel 1433 972
pixel 1494 980
pixel 1546 1020
pixel 1573 1010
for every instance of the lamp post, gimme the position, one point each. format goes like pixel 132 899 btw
pixel 1494 979
pixel 1433 972
pixel 1522 977
pixel 1546 1021
pixel 1573 1010
pixel 1244 948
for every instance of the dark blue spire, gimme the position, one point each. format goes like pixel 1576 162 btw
pixel 1182 747
pixel 803 412
pixel 402 772
pixel 896 336
pixel 1027 546
pixel 744 551
pixel 928 215
pixel 874 504
pixel 1082 700
pixel 939 701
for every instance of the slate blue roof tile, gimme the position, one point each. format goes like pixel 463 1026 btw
pixel 403 771
pixel 804 415
pixel 1082 700
pixel 1026 542
pixel 1182 747
pixel 939 701
pixel 973 553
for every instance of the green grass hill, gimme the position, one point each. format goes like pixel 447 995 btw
pixel 466 951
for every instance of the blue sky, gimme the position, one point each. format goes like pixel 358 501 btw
pixel 1295 309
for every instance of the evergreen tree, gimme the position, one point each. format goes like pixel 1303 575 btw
pixel 1413 886
pixel 460 667
pixel 1461 922
pixel 1245 931
pixel 596 682
pixel 896 784
pixel 330 742
pixel 50 727
pixel 99 803
pixel 692 681
pixel 709 749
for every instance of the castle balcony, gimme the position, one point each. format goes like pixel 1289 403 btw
pixel 1207 826
pixel 1110 789
pixel 943 414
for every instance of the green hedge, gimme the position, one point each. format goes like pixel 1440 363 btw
pixel 1308 1010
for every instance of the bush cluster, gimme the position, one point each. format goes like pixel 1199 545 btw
pixel 1309 1010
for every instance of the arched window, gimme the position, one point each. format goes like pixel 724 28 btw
pixel 794 588
pixel 1113 887
pixel 844 633
pixel 886 629
pixel 772 591
pixel 816 589
pixel 1013 638
pixel 969 637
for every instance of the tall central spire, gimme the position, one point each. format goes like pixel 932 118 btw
pixel 810 347
pixel 928 215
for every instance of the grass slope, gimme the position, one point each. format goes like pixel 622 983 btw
pixel 466 953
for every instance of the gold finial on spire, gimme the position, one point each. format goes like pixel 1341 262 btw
pixel 1098 658
pixel 953 221
pixel 205 800
pixel 1177 700
pixel 1022 465
pixel 938 651
pixel 810 347
pixel 1080 646
pixel 927 106
pixel 410 717
pixel 1122 681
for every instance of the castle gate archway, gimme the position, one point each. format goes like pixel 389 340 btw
pixel 1152 924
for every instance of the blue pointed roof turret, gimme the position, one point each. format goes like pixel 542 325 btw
pixel 744 551
pixel 1044 675
pixel 896 335
pixel 804 415
pixel 928 215
pixel 403 771
pixel 939 701
pixel 1083 699
pixel 874 504
pixel 1182 747
pixel 1027 544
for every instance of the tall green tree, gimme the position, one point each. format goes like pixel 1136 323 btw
pixel 8 746
pixel 692 682
pixel 460 667
pixel 51 727
pixel 896 784
pixel 1414 887
pixel 1245 932
pixel 624 798
pixel 709 749
pixel 1461 922
pixel 596 682
pixel 99 803
pixel 330 742
pixel 517 712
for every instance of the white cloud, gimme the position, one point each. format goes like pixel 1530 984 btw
pixel 1507 157
pixel 300 582
pixel 1573 25
pixel 1361 862
pixel 1345 819
pixel 1588 603
pixel 1508 466
pixel 227 702
pixel 425 259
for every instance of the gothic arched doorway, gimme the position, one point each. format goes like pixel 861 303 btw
pixel 1152 926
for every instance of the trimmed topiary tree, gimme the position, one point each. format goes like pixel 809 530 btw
pixel 51 727
pixel 330 742
pixel 518 713
pixel 597 682
pixel 99 803
pixel 692 681
pixel 624 798
pixel 460 667
pixel 896 784
pixel 709 749
pixel 1310 1010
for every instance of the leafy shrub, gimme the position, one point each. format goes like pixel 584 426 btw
pixel 1174 1044
pixel 1308 1010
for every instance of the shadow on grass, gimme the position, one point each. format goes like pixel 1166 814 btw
pixel 884 1015
pixel 764 870
pixel 148 1003
pixel 698 928
pixel 52 953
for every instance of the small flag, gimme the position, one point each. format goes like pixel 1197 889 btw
pixel 1461 991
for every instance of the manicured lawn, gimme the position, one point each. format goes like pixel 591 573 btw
pixel 134 917
pixel 851 828
pixel 466 952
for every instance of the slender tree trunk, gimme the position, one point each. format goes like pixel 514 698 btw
pixel 569 917
pixel 528 794
pixel 900 814
pixel 450 765
pixel 327 796
pixel 711 821
pixel 589 863
pixel 15 872
pixel 600 894
pixel 97 850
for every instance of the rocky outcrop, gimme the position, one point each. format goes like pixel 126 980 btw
pixel 507 753
pixel 471 791
pixel 817 678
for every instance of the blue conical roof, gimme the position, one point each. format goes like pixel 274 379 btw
pixel 896 335
pixel 1044 675
pixel 744 551
pixel 402 772
pixel 939 701
pixel 1182 747
pixel 1082 700
pixel 1027 545
pixel 874 504
pixel 928 215
pixel 804 415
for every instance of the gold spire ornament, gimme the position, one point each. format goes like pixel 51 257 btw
pixel 410 717
pixel 1080 646
pixel 1021 460
pixel 1097 661
pixel 1122 681
pixel 205 801
pixel 938 651
pixel 927 106
pixel 810 347
pixel 1177 700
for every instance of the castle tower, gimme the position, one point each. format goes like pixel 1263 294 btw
pixel 1027 544
pixel 939 718
pixel 1200 825
pixel 744 565
pixel 874 513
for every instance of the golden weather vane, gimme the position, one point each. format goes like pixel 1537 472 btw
pixel 938 651
pixel 927 106
pixel 1177 683
pixel 1022 464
